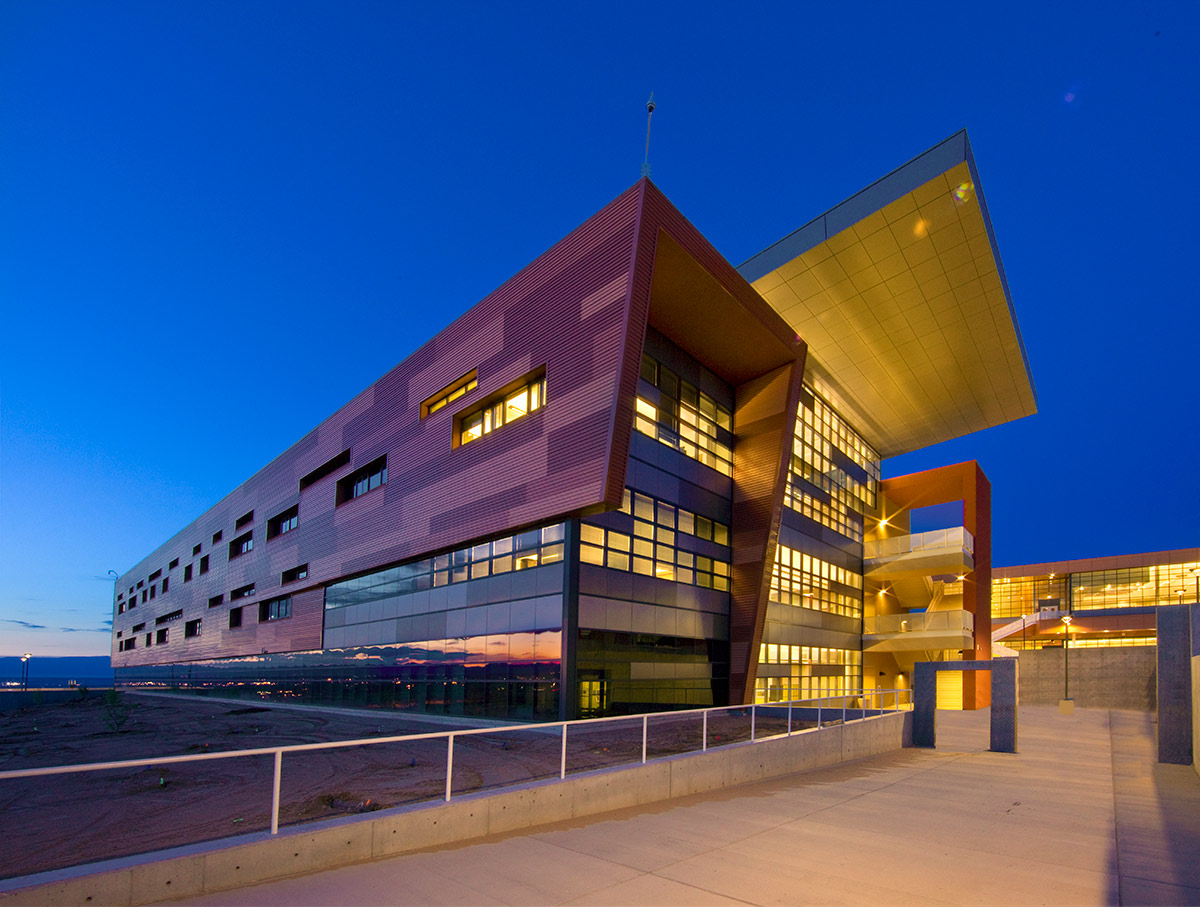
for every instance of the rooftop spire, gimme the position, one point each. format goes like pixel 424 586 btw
pixel 649 114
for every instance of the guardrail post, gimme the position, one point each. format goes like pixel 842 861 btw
pixel 275 794
pixel 562 765
pixel 645 718
pixel 818 714
pixel 449 763
pixel 753 715
pixel 704 734
pixel 789 719
pixel 843 710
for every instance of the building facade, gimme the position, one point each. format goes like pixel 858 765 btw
pixel 1112 601
pixel 632 478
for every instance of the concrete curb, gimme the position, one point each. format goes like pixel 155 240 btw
pixel 250 859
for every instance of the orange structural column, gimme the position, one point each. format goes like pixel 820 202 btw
pixel 961 482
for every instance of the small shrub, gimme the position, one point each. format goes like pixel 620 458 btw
pixel 116 713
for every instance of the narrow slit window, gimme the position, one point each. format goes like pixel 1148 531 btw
pixel 513 404
pixel 450 393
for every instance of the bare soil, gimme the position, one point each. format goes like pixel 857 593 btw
pixel 64 820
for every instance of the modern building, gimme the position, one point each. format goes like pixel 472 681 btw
pixel 1112 601
pixel 632 478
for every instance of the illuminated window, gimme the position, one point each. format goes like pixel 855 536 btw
pixel 685 418
pixel 513 405
pixel 834 472
pixel 804 581
pixel 814 672
pixel 449 394
pixel 650 544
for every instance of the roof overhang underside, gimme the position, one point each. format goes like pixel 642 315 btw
pixel 900 294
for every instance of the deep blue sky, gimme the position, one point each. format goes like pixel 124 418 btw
pixel 220 220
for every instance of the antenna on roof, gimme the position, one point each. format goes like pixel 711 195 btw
pixel 649 114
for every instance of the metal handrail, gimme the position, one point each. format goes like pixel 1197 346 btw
pixel 277 752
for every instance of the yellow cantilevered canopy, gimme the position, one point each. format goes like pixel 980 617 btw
pixel 901 297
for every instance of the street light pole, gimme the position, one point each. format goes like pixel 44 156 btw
pixel 1067 657
pixel 25 671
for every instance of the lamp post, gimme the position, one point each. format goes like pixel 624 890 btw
pixel 1196 573
pixel 25 670
pixel 1067 706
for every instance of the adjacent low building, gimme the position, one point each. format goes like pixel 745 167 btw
pixel 634 477
pixel 1112 601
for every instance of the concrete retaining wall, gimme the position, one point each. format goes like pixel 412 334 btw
pixel 250 859
pixel 1120 677
pixel 1195 629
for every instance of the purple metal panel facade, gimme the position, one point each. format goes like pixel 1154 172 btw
pixel 565 311
pixel 579 311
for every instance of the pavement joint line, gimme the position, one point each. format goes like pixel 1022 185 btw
pixel 1112 758
pixel 718 894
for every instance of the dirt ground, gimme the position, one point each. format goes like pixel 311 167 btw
pixel 64 820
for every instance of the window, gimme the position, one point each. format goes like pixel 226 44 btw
pixel 296 573
pixel 127 644
pixel 217 536
pixel 283 522
pixel 196 549
pixel 242 592
pixel 138 628
pixel 153 576
pixel 149 639
pixel 166 583
pixel 173 564
pixel 244 520
pixel 152 588
pixel 120 607
pixel 187 573
pixel 160 638
pixel 449 394
pixel 512 404
pixel 143 596
pixel 652 543
pixel 204 564
pixel 364 479
pixel 167 618
pixel 235 618
pixel 275 609
pixel 684 418
pixel 533 548
pixel 141 583
pixel 241 545
pixel 327 468
pixel 191 628
pixel 216 600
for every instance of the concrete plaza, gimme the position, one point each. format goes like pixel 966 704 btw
pixel 1081 815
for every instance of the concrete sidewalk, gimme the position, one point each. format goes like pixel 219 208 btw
pixel 1082 815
